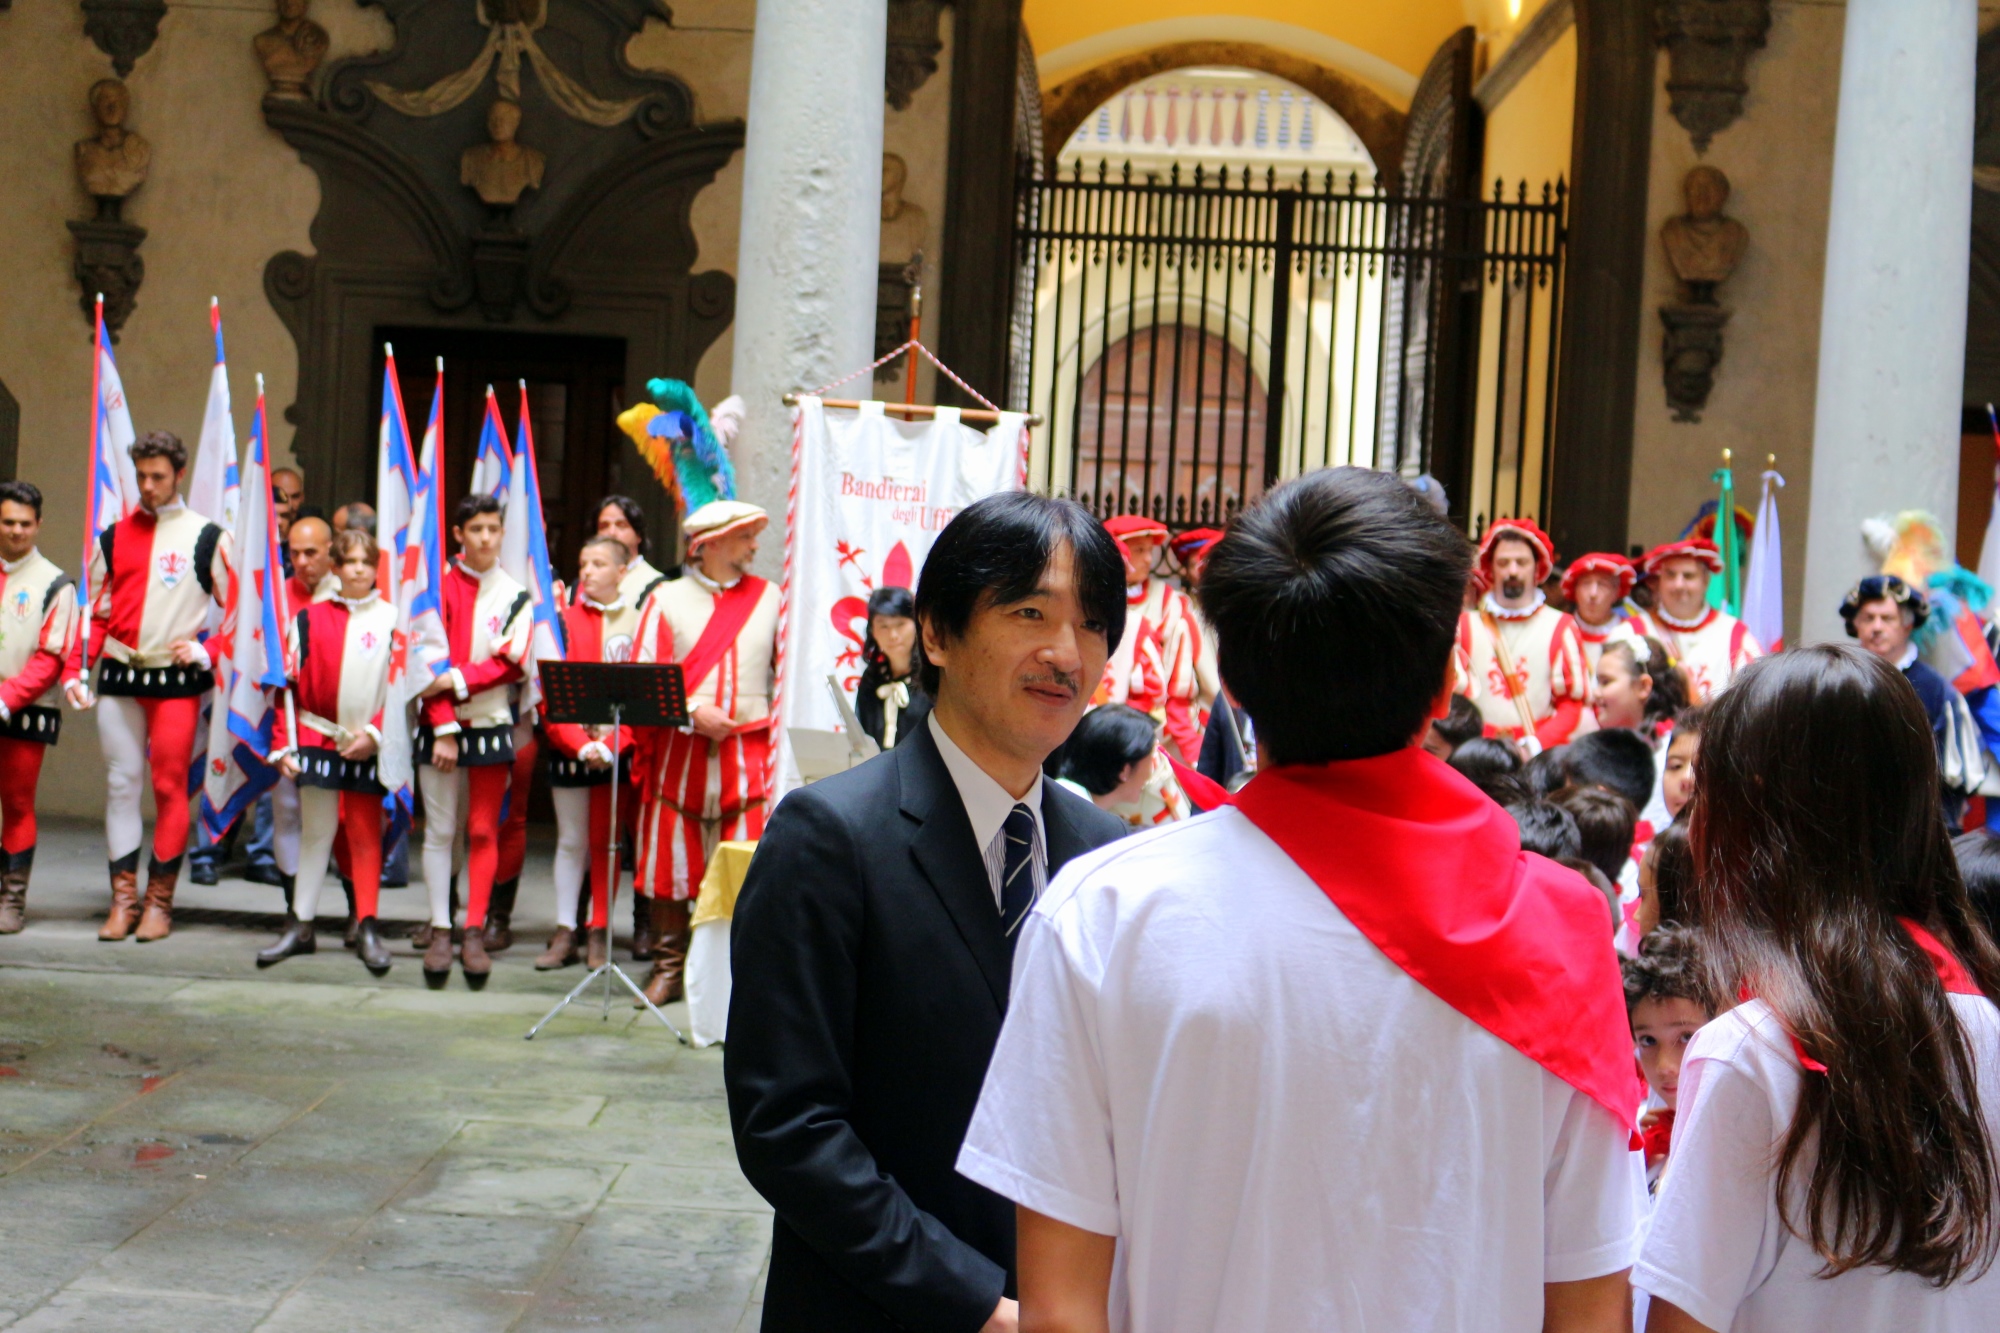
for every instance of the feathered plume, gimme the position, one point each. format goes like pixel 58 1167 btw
pixel 674 435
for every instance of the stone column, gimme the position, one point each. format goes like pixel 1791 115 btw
pixel 812 183
pixel 1892 321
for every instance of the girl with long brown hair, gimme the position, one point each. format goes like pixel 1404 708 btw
pixel 1834 1168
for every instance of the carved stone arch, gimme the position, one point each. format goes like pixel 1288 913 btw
pixel 1374 119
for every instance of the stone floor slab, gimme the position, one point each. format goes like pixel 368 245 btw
pixel 649 1186
pixel 511 1187
pixel 75 1311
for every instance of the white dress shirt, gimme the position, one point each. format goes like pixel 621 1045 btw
pixel 987 805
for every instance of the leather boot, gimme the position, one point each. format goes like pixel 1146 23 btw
pixel 157 922
pixel 353 923
pixel 671 919
pixel 437 958
pixel 298 938
pixel 14 891
pixel 420 938
pixel 561 951
pixel 643 935
pixel 368 943
pixel 499 933
pixel 596 947
pixel 472 957
pixel 124 912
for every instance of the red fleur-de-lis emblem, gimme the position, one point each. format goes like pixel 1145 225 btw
pixel 368 641
pixel 493 625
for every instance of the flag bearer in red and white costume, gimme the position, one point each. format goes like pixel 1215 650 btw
pixel 38 624
pixel 153 575
pixel 1707 643
pixel 706 781
pixel 1156 666
pixel 1597 586
pixel 465 745
pixel 1523 660
pixel 339 654
pixel 597 627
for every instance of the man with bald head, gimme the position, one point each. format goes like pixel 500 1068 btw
pixel 310 543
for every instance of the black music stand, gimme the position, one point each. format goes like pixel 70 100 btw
pixel 638 694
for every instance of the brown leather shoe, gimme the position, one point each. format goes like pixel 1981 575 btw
pixel 14 891
pixel 596 947
pixel 420 938
pixel 437 959
pixel 472 957
pixel 499 933
pixel 643 934
pixel 124 912
pixel 561 951
pixel 157 922
pixel 671 919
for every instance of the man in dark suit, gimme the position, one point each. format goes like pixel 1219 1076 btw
pixel 873 938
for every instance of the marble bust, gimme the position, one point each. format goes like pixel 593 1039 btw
pixel 291 50
pixel 113 162
pixel 903 223
pixel 499 171
pixel 1703 246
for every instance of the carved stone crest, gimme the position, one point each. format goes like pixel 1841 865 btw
pixel 913 49
pixel 123 29
pixel 1708 48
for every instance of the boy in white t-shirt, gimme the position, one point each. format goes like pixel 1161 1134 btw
pixel 1666 998
pixel 1340 1055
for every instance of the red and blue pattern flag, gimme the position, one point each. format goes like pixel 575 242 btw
pixel 524 551
pixel 114 484
pixel 406 520
pixel 493 468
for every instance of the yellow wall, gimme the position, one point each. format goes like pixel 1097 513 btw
pixel 1405 32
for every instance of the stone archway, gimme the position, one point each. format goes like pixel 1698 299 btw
pixel 1376 121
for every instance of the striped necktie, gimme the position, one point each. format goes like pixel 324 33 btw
pixel 1017 877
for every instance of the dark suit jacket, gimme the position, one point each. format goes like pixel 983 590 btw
pixel 871 976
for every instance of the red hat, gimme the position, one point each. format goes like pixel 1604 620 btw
pixel 1600 562
pixel 1194 542
pixel 1700 548
pixel 1523 529
pixel 1127 526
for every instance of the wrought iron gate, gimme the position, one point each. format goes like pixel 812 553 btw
pixel 1190 343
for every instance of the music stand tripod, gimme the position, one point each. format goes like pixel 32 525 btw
pixel 636 694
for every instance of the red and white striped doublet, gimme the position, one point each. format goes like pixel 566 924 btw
pixel 1156 665
pixel 1710 651
pixel 1549 671
pixel 154 574
pixel 698 792
pixel 340 655
pixel 38 625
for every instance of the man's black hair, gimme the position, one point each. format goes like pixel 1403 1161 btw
pixel 628 507
pixel 23 493
pixel 1547 828
pixel 1978 855
pixel 1605 821
pixel 993 553
pixel 1615 759
pixel 1462 724
pixel 1335 600
pixel 472 506
pixel 1107 740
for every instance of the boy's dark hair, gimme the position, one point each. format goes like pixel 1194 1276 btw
pixel 160 444
pixel 1547 828
pixel 628 507
pixel 472 506
pixel 1335 600
pixel 23 493
pixel 1978 857
pixel 1673 872
pixel 1546 772
pixel 1604 820
pixel 1617 760
pixel 994 552
pixel 1107 740
pixel 1668 968
pixel 1493 766
pixel 1463 723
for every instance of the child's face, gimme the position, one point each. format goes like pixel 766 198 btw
pixel 1677 784
pixel 1661 1030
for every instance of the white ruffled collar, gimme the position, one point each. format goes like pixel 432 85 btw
pixel 1499 612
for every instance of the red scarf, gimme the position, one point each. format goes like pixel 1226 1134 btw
pixel 733 606
pixel 1951 972
pixel 1432 872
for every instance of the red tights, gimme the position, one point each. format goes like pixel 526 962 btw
pixel 486 792
pixel 514 829
pixel 20 770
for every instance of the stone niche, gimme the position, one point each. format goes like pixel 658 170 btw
pixel 566 212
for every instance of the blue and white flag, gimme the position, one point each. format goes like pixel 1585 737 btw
pixel 215 488
pixel 492 469
pixel 114 484
pixel 240 734
pixel 403 512
pixel 524 554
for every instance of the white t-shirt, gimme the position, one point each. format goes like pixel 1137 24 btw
pixel 1204 1057
pixel 1717 1249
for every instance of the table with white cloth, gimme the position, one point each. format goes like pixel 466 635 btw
pixel 708 950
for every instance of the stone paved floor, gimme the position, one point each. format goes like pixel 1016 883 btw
pixel 186 1143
